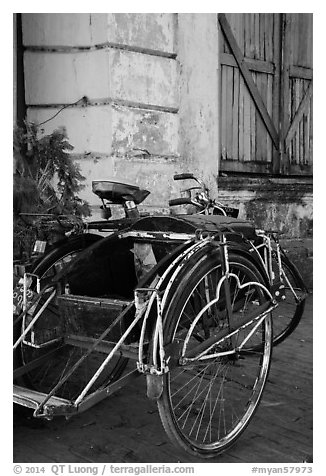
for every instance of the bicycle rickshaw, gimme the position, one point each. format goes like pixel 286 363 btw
pixel 187 300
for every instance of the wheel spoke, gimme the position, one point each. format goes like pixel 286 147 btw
pixel 210 401
pixel 288 314
pixel 54 370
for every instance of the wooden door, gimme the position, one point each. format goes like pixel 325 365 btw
pixel 266 93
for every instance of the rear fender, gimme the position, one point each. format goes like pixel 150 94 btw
pixel 153 321
pixel 90 238
pixel 248 251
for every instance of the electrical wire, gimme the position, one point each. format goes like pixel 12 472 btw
pixel 82 99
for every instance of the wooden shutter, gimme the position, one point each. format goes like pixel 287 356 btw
pixel 296 116
pixel 263 110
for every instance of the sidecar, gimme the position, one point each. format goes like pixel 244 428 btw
pixel 183 300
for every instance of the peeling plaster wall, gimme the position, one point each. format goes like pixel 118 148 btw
pixel 281 204
pixel 150 30
pixel 284 204
pixel 65 77
pixel 198 57
pixel 135 129
pixel 151 93
pixel 151 82
pixel 147 79
pixel 64 29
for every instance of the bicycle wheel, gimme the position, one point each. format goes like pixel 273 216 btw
pixel 289 312
pixel 46 339
pixel 207 403
pixel 55 260
pixel 48 266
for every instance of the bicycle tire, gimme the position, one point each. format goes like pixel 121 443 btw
pixel 44 377
pixel 176 421
pixel 57 253
pixel 288 314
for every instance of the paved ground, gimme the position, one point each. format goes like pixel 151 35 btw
pixel 126 428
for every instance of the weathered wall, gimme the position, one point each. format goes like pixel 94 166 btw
pixel 151 109
pixel 151 94
pixel 284 205
pixel 199 124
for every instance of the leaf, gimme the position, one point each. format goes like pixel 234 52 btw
pixel 46 178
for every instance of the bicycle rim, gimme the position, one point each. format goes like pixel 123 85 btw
pixel 59 358
pixel 205 406
pixel 289 311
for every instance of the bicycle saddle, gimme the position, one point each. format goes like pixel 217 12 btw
pixel 118 192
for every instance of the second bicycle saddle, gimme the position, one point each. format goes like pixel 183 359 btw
pixel 118 192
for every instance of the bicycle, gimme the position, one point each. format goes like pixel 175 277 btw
pixel 187 298
pixel 290 310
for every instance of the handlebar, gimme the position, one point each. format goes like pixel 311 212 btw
pixel 202 199
pixel 187 176
pixel 183 176
pixel 181 201
pixel 204 190
pixel 204 194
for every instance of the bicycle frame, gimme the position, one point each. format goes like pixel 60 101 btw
pixel 151 359
pixel 270 255
pixel 207 206
pixel 186 298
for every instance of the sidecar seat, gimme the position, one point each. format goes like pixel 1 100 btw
pixel 118 192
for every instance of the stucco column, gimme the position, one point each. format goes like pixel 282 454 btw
pixel 198 61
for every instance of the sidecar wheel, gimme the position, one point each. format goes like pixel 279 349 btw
pixel 52 263
pixel 59 357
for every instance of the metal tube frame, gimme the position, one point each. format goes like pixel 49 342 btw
pixel 144 300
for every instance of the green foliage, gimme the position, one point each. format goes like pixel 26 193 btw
pixel 46 181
